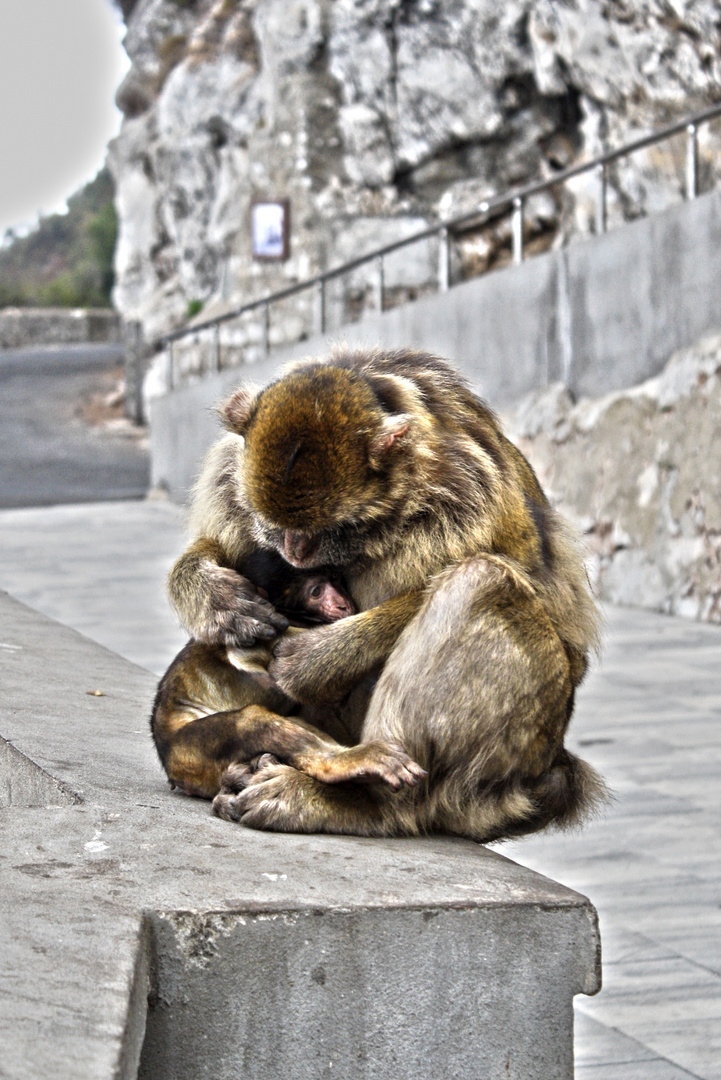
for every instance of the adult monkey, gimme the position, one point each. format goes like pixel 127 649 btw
pixel 474 604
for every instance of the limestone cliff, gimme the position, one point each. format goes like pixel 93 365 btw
pixel 373 117
pixel 640 472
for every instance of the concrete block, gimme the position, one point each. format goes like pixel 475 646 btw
pixel 23 783
pixel 142 937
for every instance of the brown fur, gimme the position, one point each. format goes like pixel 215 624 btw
pixel 475 618
pixel 217 705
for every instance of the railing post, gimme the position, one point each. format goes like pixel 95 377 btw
pixel 216 347
pixel 602 176
pixel 506 203
pixel 517 230
pixel 380 285
pixel 134 370
pixel 691 162
pixel 321 306
pixel 444 261
pixel 266 330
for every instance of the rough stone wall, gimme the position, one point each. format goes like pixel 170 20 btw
pixel 375 117
pixel 27 327
pixel 640 473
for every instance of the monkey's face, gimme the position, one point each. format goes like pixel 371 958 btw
pixel 319 453
pixel 323 599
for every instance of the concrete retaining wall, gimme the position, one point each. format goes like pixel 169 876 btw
pixel 22 328
pixel 599 315
pixel 142 937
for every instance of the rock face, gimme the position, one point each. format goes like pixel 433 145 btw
pixel 374 117
pixel 640 472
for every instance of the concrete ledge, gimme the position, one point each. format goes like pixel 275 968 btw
pixel 23 783
pixel 143 937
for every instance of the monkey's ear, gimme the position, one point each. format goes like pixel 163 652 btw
pixel 392 429
pixel 236 412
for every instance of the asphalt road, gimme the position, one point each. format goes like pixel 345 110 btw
pixel 60 439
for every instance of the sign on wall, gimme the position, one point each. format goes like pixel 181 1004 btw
pixel 270 229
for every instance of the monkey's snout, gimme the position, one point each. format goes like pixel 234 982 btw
pixel 298 546
pixel 337 608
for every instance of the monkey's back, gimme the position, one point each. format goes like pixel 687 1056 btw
pixel 207 679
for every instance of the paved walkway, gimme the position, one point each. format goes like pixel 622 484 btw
pixel 649 717
pixel 99 568
pixel 61 439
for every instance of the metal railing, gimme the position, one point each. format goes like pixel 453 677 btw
pixel 487 211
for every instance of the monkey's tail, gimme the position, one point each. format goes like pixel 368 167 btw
pixel 568 794
pixel 564 797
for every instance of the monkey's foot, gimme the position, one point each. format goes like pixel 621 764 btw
pixel 368 763
pixel 282 799
pixel 254 795
pixel 233 780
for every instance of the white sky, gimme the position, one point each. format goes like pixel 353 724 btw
pixel 60 64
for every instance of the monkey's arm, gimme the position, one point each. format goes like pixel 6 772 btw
pixel 323 665
pixel 215 603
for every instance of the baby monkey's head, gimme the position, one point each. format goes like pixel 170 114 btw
pixel 318 595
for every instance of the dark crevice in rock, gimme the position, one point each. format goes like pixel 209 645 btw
pixel 219 132
pixel 458 159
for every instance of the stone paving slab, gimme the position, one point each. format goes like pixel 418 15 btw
pixel 604 1053
pixel 649 717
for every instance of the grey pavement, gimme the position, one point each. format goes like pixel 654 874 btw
pixel 100 568
pixel 49 451
pixel 649 716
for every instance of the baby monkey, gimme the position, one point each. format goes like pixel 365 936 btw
pixel 306 597
pixel 217 706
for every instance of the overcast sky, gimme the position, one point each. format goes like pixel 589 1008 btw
pixel 60 64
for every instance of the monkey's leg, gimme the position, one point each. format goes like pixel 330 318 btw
pixel 478 690
pixel 202 750
pixel 282 799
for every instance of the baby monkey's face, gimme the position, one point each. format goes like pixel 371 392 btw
pixel 323 599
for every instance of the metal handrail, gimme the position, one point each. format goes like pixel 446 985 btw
pixel 487 210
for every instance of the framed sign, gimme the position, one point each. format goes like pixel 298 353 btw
pixel 270 229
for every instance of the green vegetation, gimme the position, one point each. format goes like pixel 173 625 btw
pixel 67 261
pixel 194 308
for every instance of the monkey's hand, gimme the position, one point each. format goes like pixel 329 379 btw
pixel 238 614
pixel 321 666
pixel 300 667
pixel 216 605
pixel 229 610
